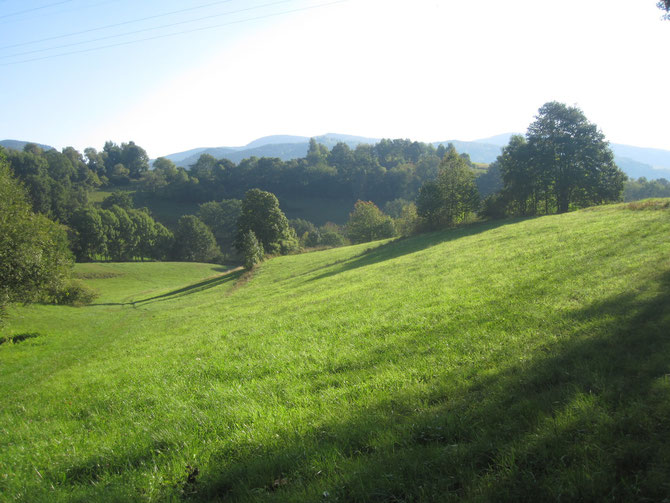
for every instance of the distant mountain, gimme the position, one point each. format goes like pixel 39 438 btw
pixel 285 147
pixel 18 145
pixel 500 140
pixel 478 152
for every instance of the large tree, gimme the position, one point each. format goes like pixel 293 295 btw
pixel 34 257
pixel 571 159
pixel 221 218
pixel 193 241
pixel 262 215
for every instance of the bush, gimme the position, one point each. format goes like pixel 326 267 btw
pixel 74 293
pixel 252 251
pixel 368 223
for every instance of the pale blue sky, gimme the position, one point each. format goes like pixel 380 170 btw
pixel 173 75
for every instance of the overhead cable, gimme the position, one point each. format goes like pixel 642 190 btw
pixel 119 44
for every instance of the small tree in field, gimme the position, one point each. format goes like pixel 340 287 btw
pixel 261 214
pixel 367 223
pixel 252 251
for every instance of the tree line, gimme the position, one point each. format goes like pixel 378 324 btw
pixel 382 172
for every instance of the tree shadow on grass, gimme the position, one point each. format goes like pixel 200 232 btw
pixel 201 286
pixel 15 338
pixel 406 246
pixel 582 419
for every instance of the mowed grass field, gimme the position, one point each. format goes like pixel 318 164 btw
pixel 519 360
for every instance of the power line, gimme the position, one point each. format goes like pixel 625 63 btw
pixel 144 30
pixel 55 13
pixel 35 8
pixel 117 24
pixel 257 18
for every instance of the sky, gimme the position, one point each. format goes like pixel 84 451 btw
pixel 174 75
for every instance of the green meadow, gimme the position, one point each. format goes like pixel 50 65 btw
pixel 515 360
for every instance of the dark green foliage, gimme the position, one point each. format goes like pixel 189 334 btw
pixel 495 206
pixel 221 217
pixel 408 222
pixel 163 242
pixel 490 182
pixel 57 183
pixel 311 236
pixel 89 239
pixel 121 199
pixel 125 162
pixel 34 256
pixel 429 204
pixel 74 293
pixel 564 162
pixel 642 188
pixel 453 196
pixel 193 241
pixel 302 226
pixel 145 230
pixel 368 223
pixel 252 251
pixel 391 169
pixel 394 208
pixel 331 238
pixel 262 215
pixel 124 248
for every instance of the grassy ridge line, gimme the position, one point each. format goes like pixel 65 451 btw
pixel 518 360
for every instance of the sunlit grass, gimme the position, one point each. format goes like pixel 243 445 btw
pixel 514 360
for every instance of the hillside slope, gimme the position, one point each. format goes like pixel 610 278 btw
pixel 512 360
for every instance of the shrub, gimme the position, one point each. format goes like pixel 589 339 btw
pixel 74 293
pixel 252 251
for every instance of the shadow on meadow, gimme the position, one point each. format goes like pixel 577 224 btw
pixel 232 275
pixel 584 418
pixel 406 246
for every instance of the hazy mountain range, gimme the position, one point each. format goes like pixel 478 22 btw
pixel 634 161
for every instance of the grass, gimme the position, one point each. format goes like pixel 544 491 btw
pixel 512 361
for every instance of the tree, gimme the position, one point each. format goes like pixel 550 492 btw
pixel 429 204
pixel 89 231
pixel 221 217
pixel 367 223
pixel 450 198
pixel 145 229
pixel 522 181
pixel 262 215
pixel 571 159
pixel 135 159
pixel 34 256
pixel 118 198
pixel 125 246
pixel 163 242
pixel 193 241
pixel 664 5
pixel 252 251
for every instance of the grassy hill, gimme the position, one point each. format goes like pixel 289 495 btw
pixel 513 360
